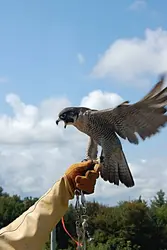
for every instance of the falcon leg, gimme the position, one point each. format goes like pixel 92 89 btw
pixel 91 153
pixel 101 157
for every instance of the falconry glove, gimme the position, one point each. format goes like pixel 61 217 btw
pixel 83 176
pixel 32 228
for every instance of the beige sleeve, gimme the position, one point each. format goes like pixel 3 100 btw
pixel 31 230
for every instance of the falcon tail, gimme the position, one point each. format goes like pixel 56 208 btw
pixel 116 169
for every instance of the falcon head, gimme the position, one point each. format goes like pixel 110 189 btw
pixel 70 115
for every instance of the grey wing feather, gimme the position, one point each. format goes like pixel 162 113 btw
pixel 145 117
pixel 92 149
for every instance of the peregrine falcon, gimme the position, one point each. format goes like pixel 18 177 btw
pixel 143 118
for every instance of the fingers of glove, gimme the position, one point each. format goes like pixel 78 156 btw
pixel 85 184
pixel 96 169
pixel 82 180
pixel 80 168
pixel 92 175
pixel 85 165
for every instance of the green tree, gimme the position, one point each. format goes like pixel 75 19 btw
pixel 159 199
pixel 133 225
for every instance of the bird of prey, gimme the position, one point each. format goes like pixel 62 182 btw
pixel 104 127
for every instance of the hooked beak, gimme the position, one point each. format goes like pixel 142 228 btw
pixel 58 120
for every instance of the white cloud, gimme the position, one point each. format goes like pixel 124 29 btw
pixel 32 150
pixel 36 146
pixel 132 60
pixel 81 58
pixel 138 5
pixel 100 100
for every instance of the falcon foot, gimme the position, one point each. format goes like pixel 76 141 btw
pixel 84 160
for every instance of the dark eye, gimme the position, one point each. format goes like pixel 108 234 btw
pixel 63 116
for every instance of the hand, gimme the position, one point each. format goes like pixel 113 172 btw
pixel 83 176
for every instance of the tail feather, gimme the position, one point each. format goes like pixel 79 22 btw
pixel 116 169
pixel 125 174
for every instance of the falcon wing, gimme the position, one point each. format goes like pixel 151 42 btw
pixel 144 117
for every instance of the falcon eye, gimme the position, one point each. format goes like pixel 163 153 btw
pixel 62 116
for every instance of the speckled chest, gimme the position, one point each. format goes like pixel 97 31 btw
pixel 94 128
pixel 89 126
pixel 82 123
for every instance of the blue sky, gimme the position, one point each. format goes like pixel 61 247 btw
pixel 40 41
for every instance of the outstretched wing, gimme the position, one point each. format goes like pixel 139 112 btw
pixel 145 117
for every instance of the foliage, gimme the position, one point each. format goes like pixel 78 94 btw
pixel 131 225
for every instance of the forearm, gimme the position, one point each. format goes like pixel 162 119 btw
pixel 31 230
